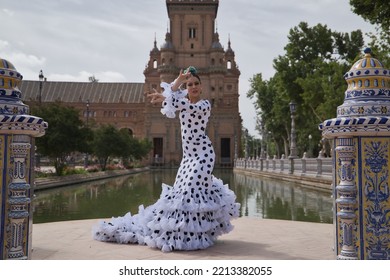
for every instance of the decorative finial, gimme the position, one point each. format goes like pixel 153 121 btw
pixel 155 40
pixel 367 52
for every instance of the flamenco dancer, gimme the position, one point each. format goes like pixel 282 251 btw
pixel 192 213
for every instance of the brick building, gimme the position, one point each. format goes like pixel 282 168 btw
pixel 192 39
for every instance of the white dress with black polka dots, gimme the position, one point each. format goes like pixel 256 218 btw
pixel 192 213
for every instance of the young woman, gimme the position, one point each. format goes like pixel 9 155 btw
pixel 192 213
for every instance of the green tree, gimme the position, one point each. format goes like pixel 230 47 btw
pixel 377 12
pixel 348 46
pixel 272 108
pixel 139 148
pixel 311 73
pixel 66 134
pixel 135 149
pixel 374 11
pixel 110 142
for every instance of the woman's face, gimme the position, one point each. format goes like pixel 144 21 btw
pixel 194 89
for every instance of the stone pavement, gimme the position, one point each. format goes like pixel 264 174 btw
pixel 251 239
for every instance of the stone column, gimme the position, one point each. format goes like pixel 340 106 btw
pixel 346 196
pixel 17 132
pixel 361 168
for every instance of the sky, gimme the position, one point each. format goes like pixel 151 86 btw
pixel 72 40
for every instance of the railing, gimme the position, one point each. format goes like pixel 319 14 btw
pixel 316 172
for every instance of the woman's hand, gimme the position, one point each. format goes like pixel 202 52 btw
pixel 155 97
pixel 183 76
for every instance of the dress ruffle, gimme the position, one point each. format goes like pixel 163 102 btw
pixel 168 109
pixel 174 224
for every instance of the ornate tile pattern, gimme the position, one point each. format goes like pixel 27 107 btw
pixel 374 192
pixel 361 149
pixel 17 130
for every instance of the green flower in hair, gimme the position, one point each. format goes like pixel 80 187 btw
pixel 191 69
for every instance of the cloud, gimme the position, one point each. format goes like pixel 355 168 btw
pixel 26 60
pixel 7 12
pixel 3 45
pixel 23 62
pixel 83 76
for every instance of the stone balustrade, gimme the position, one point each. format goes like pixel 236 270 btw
pixel 315 172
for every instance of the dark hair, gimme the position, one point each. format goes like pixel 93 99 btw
pixel 196 76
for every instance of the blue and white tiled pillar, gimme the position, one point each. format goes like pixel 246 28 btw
pixel 361 134
pixel 17 132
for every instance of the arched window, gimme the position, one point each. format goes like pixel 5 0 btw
pixel 155 64
pixel 229 65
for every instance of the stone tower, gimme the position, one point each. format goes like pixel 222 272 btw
pixel 192 39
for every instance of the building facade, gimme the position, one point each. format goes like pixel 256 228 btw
pixel 192 39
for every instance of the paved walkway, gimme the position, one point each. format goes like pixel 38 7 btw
pixel 251 239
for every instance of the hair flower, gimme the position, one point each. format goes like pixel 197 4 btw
pixel 191 69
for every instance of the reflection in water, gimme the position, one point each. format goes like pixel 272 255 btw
pixel 267 199
pixel 274 199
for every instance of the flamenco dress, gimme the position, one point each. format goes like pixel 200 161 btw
pixel 198 208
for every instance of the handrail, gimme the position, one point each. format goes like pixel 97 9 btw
pixel 311 171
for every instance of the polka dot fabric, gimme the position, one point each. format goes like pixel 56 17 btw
pixel 198 208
